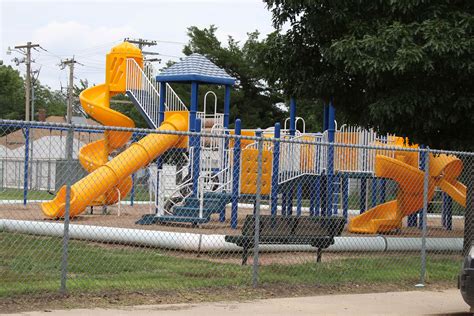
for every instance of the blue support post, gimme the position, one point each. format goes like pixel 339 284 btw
pixel 312 197
pixel 383 190
pixel 292 116
pixel 26 163
pixel 227 106
pixel 330 162
pixel 161 110
pixel 275 171
pixel 289 205
pixel 317 191
pixel 325 117
pixel 374 192
pixel 345 195
pixel 299 198
pixel 194 106
pixel 284 198
pixel 363 194
pixel 235 176
pixel 196 158
pixel 447 213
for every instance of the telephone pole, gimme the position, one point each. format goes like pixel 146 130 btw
pixel 69 62
pixel 140 42
pixel 26 50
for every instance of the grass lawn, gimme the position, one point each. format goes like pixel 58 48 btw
pixel 141 194
pixel 31 264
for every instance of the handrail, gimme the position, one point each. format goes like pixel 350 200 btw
pixel 145 93
pixel 172 100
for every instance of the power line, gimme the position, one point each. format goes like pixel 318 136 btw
pixel 140 42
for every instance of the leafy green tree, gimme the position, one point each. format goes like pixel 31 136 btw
pixel 12 94
pixel 252 99
pixel 399 66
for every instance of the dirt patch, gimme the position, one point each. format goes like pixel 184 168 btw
pixel 123 298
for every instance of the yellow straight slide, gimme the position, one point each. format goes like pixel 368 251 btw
pixel 104 178
pixel 109 181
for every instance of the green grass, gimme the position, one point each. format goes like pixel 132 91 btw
pixel 31 264
pixel 141 194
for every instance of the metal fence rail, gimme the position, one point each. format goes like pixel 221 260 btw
pixel 230 210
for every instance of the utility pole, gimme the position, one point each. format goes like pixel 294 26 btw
pixel 140 42
pixel 26 50
pixel 69 62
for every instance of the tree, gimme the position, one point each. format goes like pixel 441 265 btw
pixel 12 94
pixel 401 66
pixel 252 100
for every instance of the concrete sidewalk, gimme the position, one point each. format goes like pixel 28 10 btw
pixel 448 302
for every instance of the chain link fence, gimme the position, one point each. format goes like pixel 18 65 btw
pixel 94 209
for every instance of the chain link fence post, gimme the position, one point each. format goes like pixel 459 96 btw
pixel 426 179
pixel 469 213
pixel 257 208
pixel 65 246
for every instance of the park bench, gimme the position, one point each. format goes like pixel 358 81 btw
pixel 318 232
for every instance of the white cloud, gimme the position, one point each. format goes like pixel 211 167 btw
pixel 72 36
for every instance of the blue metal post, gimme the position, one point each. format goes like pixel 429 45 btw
pixel 161 110
pixel 299 198
pixel 27 159
pixel 345 195
pixel 292 116
pixel 227 106
pixel 363 194
pixel 194 106
pixel 383 190
pixel 290 195
pixel 235 176
pixel 317 191
pixel 275 171
pixel 325 118
pixel 312 197
pixel 330 162
pixel 447 213
pixel 284 198
pixel 196 158
pixel 374 192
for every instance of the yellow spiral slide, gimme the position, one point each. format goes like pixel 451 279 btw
pixel 443 173
pixel 110 180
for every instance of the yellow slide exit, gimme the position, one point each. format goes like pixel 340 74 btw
pixel 108 179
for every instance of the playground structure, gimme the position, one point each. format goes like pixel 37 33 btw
pixel 219 170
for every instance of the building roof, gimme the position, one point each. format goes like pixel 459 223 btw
pixel 196 68
pixel 16 138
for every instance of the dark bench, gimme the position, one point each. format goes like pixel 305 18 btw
pixel 318 232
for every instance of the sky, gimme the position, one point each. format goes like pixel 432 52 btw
pixel 88 29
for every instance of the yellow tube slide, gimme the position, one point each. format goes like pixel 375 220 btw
pixel 443 173
pixel 109 181
pixel 104 178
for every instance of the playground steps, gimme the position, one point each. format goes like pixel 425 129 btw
pixel 213 203
pixel 144 107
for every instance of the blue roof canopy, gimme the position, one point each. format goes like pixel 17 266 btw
pixel 196 68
